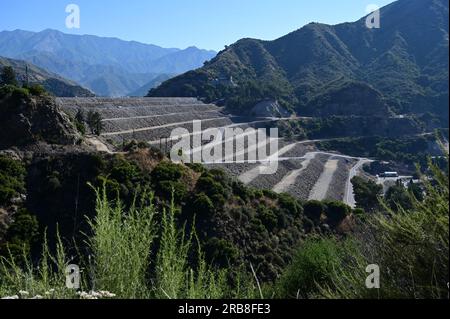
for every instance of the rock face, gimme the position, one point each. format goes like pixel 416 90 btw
pixel 269 108
pixel 30 119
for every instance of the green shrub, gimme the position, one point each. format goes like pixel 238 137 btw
pixel 120 260
pixel 398 195
pixel 240 190
pixel 367 194
pixel 313 265
pixel 17 93
pixel 53 184
pixel 411 248
pixel 167 171
pixel 121 245
pixel 37 90
pixel 94 122
pixel 290 204
pixel 80 126
pixel 20 93
pixel 258 227
pixel 336 212
pixel 167 189
pixel 12 179
pixel 209 186
pixel 46 279
pixel 359 212
pixel 124 171
pixel 221 252
pixel 174 277
pixel 218 200
pixel 314 210
pixel 8 76
pixel 268 218
pixel 202 205
pixel 6 90
pixel 22 234
pixel 196 167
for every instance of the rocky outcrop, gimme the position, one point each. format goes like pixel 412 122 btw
pixel 26 119
pixel 269 108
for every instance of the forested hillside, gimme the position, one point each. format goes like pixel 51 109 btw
pixel 319 68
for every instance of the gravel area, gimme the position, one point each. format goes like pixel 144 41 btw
pixel 155 133
pixel 289 179
pixel 300 150
pixel 234 169
pixel 319 191
pixel 268 181
pixel 139 123
pixel 308 178
pixel 336 190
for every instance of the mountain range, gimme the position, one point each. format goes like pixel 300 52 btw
pixel 322 70
pixel 53 83
pixel 107 66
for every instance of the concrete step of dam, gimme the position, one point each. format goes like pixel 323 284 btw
pixel 301 172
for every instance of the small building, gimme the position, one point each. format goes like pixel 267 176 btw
pixel 389 175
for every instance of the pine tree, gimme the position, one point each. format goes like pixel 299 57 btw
pixel 80 121
pixel 80 116
pixel 94 121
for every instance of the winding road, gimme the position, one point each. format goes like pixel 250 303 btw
pixel 349 197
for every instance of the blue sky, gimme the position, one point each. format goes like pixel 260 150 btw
pixel 208 24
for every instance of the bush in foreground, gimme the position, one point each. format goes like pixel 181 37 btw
pixel 120 261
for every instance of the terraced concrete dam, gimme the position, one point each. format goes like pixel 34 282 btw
pixel 303 171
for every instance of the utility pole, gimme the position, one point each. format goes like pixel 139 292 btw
pixel 26 75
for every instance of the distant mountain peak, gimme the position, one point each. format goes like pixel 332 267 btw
pixel 108 66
